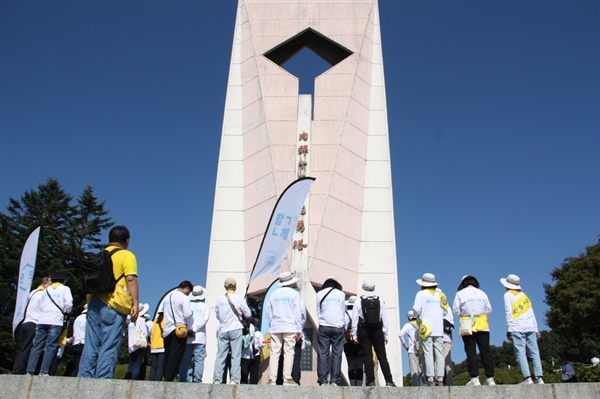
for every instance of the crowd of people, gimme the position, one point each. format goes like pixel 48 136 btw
pixel 357 327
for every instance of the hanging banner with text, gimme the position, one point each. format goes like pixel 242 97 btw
pixel 26 270
pixel 281 228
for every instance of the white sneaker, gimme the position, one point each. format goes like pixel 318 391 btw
pixel 527 381
pixel 333 384
pixel 272 382
pixel 539 381
pixel 489 381
pixel 474 382
pixel 289 382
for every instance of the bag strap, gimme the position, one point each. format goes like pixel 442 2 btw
pixel 55 304
pixel 110 253
pixel 29 300
pixel 172 311
pixel 233 307
pixel 325 296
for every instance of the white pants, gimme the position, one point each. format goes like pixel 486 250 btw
pixel 288 341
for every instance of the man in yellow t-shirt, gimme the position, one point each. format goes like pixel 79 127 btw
pixel 107 312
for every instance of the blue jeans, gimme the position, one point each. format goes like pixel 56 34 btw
pixel 135 364
pixel 103 337
pixel 198 351
pixel 226 340
pixel 46 339
pixel 526 343
pixel 329 338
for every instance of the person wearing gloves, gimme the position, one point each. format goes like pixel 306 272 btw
pixel 196 340
pixel 137 342
pixel 57 302
pixel 331 306
pixel 430 307
pixel 284 312
pixel 176 312
pixel 370 330
pixel 473 306
pixel 409 338
pixel 229 309
pixel 522 329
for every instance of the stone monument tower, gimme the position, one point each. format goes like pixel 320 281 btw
pixel 273 135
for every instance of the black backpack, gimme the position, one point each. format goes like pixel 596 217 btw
pixel 371 307
pixel 96 272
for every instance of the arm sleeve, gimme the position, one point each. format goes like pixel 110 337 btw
pixel 68 297
pixel 456 305
pixel 417 307
pixel 487 308
pixel 355 316
pixel 244 309
pixel 185 308
pixel 508 312
pixel 204 319
pixel 384 320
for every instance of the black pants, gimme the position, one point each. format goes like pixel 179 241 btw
pixel 26 335
pixel 480 339
pixel 174 350
pixel 250 369
pixel 369 340
pixel 356 361
pixel 73 365
pixel 157 368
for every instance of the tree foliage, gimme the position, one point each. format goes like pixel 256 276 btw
pixel 574 301
pixel 69 227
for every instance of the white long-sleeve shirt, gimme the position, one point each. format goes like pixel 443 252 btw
pixel 285 311
pixel 52 315
pixel 79 329
pixel 525 323
pixel 228 321
pixel 471 301
pixel 330 311
pixel 34 307
pixel 408 335
pixel 357 313
pixel 197 323
pixel 429 309
pixel 176 310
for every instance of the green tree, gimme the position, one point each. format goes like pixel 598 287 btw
pixel 574 302
pixel 68 228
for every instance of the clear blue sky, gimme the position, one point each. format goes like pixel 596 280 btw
pixel 494 121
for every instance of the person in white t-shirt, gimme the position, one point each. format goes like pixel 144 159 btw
pixel 137 350
pixel 77 342
pixel 56 304
pixel 522 329
pixel 331 306
pixel 409 338
pixel 284 312
pixel 196 341
pixel 229 331
pixel 473 307
pixel 430 307
pixel 26 329
pixel 176 311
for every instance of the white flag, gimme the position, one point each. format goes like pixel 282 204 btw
pixel 281 228
pixel 25 276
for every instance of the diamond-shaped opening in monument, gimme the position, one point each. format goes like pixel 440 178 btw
pixel 306 56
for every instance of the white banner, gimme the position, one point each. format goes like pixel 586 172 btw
pixel 25 276
pixel 281 228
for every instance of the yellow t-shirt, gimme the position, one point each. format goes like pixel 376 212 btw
pixel 124 264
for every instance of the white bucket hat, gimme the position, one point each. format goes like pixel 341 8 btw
pixel 511 282
pixel 351 300
pixel 428 280
pixel 368 287
pixel 198 293
pixel 287 279
pixel 144 307
pixel 411 315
